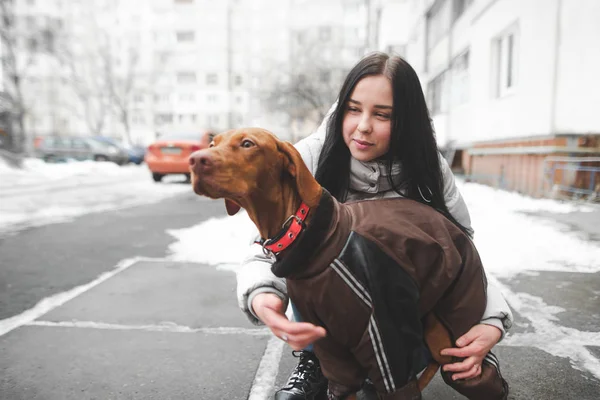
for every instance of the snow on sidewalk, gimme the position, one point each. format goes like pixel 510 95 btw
pixel 509 240
pixel 42 193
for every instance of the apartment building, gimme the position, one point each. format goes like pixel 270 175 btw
pixel 510 86
pixel 140 68
pixel 28 71
pixel 327 39
pixel 129 70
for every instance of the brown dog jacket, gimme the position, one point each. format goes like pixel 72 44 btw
pixel 368 272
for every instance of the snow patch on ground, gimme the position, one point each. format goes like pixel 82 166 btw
pixel 42 193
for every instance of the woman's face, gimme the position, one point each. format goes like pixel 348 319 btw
pixel 367 119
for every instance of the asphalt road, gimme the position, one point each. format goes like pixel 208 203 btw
pixel 42 261
pixel 158 329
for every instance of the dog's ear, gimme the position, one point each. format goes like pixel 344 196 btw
pixel 306 184
pixel 232 207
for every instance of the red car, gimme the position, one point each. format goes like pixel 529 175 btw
pixel 169 154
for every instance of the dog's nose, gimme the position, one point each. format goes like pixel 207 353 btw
pixel 200 160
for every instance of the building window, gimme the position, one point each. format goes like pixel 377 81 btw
pixel 184 1
pixel 238 80
pixel 187 97
pixel 63 124
pixel 398 49
pixel 186 77
pixel 48 40
pixel 459 68
pixel 459 7
pixel 437 94
pixel 185 36
pixel 163 119
pixel 32 44
pixel 438 22
pixel 138 98
pixel 137 119
pixel 161 98
pixel 161 57
pixel 504 62
pixel 212 98
pixel 211 79
pixel 325 33
pixel 213 120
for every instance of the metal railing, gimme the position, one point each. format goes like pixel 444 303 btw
pixel 572 175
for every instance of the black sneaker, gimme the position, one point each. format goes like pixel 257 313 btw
pixel 306 382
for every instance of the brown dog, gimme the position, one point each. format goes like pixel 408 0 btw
pixel 382 276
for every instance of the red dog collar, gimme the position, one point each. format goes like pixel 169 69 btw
pixel 286 236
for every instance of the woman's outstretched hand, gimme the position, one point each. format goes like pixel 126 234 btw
pixel 268 307
pixel 472 346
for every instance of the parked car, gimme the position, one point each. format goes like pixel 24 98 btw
pixel 169 154
pixel 135 153
pixel 62 148
pixel 4 139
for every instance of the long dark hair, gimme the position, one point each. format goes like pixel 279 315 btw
pixel 412 141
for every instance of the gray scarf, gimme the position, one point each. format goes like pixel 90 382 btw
pixel 369 180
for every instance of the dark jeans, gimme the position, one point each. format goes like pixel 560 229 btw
pixel 298 318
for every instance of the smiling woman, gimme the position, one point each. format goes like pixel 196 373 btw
pixel 379 143
pixel 367 125
pixel 169 155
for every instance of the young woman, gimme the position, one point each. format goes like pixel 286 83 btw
pixel 379 143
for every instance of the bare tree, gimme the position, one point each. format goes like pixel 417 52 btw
pixel 15 67
pixel 22 42
pixel 107 74
pixel 125 77
pixel 305 88
pixel 85 76
pixel 121 79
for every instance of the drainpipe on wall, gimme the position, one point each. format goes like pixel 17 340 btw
pixel 557 40
pixel 553 98
pixel 230 122
pixel 449 77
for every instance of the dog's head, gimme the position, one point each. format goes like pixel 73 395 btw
pixel 250 164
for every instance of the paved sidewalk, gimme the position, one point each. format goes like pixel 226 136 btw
pixel 157 330
pixel 168 330
pixel 584 222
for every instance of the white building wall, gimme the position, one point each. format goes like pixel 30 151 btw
pixel 416 54
pixel 526 110
pixel 261 35
pixel 394 27
pixel 199 104
pixel 557 59
pixel 39 72
pixel 578 83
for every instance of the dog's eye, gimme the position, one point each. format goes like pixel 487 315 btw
pixel 247 143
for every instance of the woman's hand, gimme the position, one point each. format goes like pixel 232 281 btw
pixel 268 307
pixel 472 346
